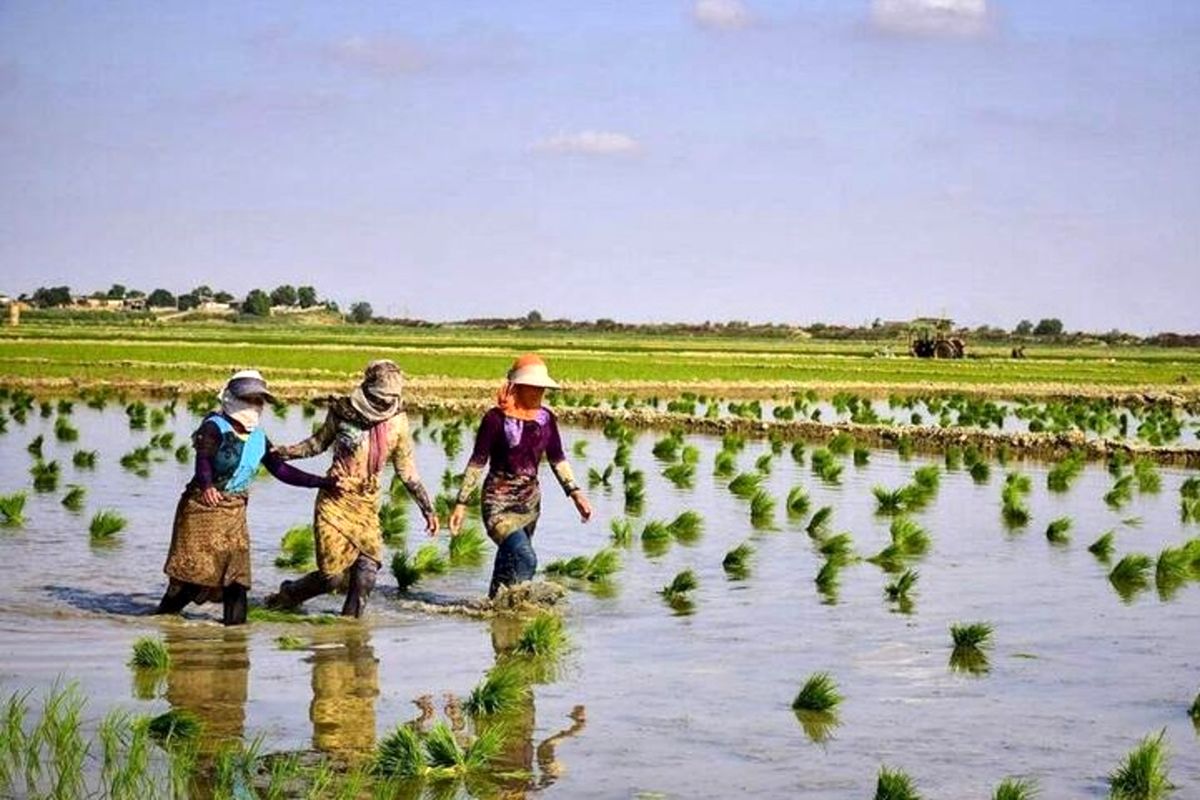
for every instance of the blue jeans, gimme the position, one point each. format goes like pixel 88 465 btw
pixel 515 561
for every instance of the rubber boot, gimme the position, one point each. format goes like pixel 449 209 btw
pixel 233 597
pixel 292 593
pixel 360 582
pixel 177 597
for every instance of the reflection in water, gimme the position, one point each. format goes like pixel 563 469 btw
pixel 345 684
pixel 520 754
pixel 208 676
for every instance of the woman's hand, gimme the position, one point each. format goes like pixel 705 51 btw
pixel 581 505
pixel 211 497
pixel 456 518
pixel 432 523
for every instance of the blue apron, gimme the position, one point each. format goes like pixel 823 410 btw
pixel 236 461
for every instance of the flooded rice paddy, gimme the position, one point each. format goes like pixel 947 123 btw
pixel 653 698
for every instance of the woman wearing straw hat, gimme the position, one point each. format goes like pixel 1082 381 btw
pixel 209 557
pixel 513 437
pixel 366 429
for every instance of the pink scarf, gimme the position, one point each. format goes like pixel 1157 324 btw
pixel 379 447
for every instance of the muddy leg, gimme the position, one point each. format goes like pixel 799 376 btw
pixel 233 597
pixel 177 596
pixel 361 581
pixel 515 561
pixel 292 593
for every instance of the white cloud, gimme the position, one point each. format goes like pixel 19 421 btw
pixel 592 143
pixel 721 14
pixel 949 18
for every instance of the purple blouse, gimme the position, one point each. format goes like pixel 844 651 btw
pixel 516 447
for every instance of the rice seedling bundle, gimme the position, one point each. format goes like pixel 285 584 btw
pixel 745 484
pixel 977 635
pixel 895 785
pixel 45 476
pixel 1147 476
pixel 467 548
pixel 579 448
pixel 543 636
pixel 1121 492
pixel 819 693
pixel 1056 531
pixel 683 583
pixel 908 536
pixel 862 456
pixel 686 527
pixel 681 474
pixel 762 464
pixel 1015 789
pixel 176 725
pixel 762 509
pixel 393 522
pixel 64 431
pixel 1102 548
pixel 105 525
pixel 73 499
pixel 737 561
pixel 1143 775
pixel 622 531
pixel 12 509
pixel 840 444
pixel 502 689
pixel 289 642
pixel 600 478
pixel 980 472
pixel 297 549
pixel 798 501
pixel 900 588
pixel 725 463
pixel 150 653
pixel 838 548
pixel 819 523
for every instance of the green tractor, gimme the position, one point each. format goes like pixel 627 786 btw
pixel 933 341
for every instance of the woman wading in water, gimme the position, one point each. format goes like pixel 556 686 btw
pixel 365 429
pixel 513 437
pixel 210 543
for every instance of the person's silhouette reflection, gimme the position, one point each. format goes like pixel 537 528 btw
pixel 345 684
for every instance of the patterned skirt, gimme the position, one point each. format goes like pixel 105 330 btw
pixel 510 502
pixel 210 545
pixel 346 524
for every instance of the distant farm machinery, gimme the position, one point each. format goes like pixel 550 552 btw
pixel 933 342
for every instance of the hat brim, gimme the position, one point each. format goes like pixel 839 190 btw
pixel 245 388
pixel 541 383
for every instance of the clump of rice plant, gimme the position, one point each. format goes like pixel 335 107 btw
pixel 393 522
pixel 1016 789
pixel 1131 574
pixel 686 527
pixel 890 501
pixel 276 615
pixel 980 472
pixel 601 478
pixel 45 476
pixel 668 447
pixel 1147 476
pixel 798 501
pixel 137 461
pixel 953 458
pixel 73 499
pixel 827 579
pixel 543 636
pixel 176 725
pixel 635 491
pixel 1056 531
pixel 928 478
pixel 12 509
pixel 908 536
pixel 839 548
pixel 819 693
pixel 840 444
pixel 297 549
pixel 821 459
pixel 399 754
pixel 679 587
pixel 746 484
pixel 797 452
pixel 682 474
pixel 34 448
pixel 737 561
pixel 467 547
pixel 444 755
pixel 502 689
pixel 1063 474
pixel 900 588
pixel 64 431
pixel 656 531
pixel 105 525
pixel 289 642
pixel 1143 774
pixel 622 532
pixel 1120 493
pixel 818 525
pixel 1190 489
pixel 1102 548
pixel 150 653
pixel 977 635
pixel 596 568
pixel 895 785
pixel 84 459
pixel 579 448
pixel 1012 506
pixel 725 463
pixel 1172 569
pixel 408 570
pixel 762 509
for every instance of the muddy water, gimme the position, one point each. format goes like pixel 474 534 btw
pixel 694 705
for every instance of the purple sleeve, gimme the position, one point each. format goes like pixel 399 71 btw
pixel 489 428
pixel 554 448
pixel 294 476
pixel 205 440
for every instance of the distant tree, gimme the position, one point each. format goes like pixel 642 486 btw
pixel 284 296
pixel 332 307
pixel 53 297
pixel 1024 328
pixel 161 298
pixel 117 292
pixel 99 294
pixel 307 296
pixel 186 302
pixel 202 293
pixel 223 297
pixel 258 303
pixel 534 317
pixel 361 312
pixel 134 294
pixel 1048 327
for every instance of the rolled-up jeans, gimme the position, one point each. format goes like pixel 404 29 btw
pixel 515 561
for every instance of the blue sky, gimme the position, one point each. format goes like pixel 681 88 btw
pixel 654 160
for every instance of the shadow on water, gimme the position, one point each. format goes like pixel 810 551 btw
pixel 345 686
pixel 120 603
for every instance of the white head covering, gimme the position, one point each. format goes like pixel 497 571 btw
pixel 248 383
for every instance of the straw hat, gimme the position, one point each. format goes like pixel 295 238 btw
pixel 530 370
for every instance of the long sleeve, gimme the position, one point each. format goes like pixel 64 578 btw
pixel 489 429
pixel 316 444
pixel 406 466
pixel 294 476
pixel 205 440
pixel 558 460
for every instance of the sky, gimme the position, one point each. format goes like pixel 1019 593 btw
pixel 645 160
